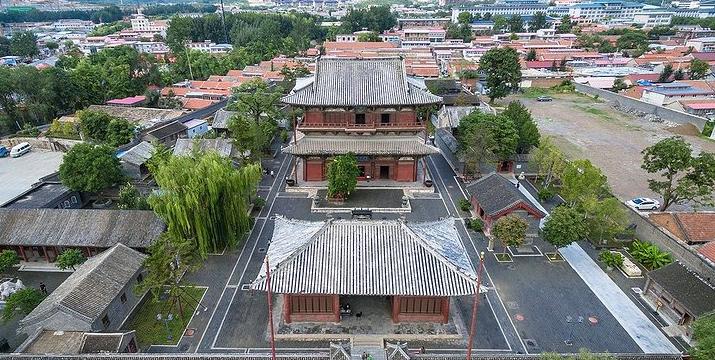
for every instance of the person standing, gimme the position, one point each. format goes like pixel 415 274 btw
pixel 43 288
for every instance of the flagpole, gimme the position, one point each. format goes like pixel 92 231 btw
pixel 475 306
pixel 270 311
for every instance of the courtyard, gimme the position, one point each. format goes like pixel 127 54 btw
pixel 18 174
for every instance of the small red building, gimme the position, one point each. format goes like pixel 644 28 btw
pixel 415 267
pixel 365 106
pixel 494 196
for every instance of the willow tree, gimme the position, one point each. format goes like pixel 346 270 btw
pixel 205 199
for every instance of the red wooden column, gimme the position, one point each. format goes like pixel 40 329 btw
pixel 445 310
pixel 336 308
pixel 396 309
pixel 22 253
pixel 44 251
pixel 286 308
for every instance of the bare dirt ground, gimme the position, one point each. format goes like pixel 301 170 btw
pixel 584 127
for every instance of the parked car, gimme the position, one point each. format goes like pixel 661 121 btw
pixel 3 151
pixel 544 98
pixel 20 149
pixel 643 204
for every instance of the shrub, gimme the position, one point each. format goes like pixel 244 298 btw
pixel 465 205
pixel 259 202
pixel 611 259
pixel 649 255
pixel 284 135
pixel 708 128
pixel 546 193
pixel 476 224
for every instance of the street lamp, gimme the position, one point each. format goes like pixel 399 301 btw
pixel 166 320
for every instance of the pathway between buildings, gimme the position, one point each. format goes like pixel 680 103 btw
pixel 650 339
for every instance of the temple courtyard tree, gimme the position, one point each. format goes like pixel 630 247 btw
pixel 21 302
pixel 204 199
pixel 90 168
pixel 503 71
pixel 581 180
pixel 342 176
pixel 8 259
pixel 525 126
pixel 682 177
pixel 511 231
pixel 486 138
pixel 549 161
pixel 564 226
pixel 69 259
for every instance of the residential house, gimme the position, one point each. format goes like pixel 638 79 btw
pixel 99 296
pixel 220 120
pixel 313 265
pixel 39 235
pixel 223 147
pixel 196 127
pixel 367 107
pixel 48 193
pixel 140 116
pixel 166 134
pixel 494 196
pixel 703 44
pixel 688 227
pixel 665 94
pixel 134 160
pixel 132 101
pixel 679 296
pixel 79 342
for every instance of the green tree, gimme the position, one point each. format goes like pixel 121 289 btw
pixel 464 17
pixel 682 177
pixel 526 127
pixel 8 259
pixel 503 71
pixel 566 25
pixel 254 99
pixel 251 136
pixel 538 21
pixel 24 43
pixel 70 258
pixel 4 46
pixel 500 23
pixel 516 24
pixel 375 18
pixel 679 74
pixel 169 259
pixel 666 73
pixel 633 40
pixel 369 37
pixel 698 69
pixel 564 226
pixel 52 46
pixel 119 132
pixel 90 168
pixel 342 175
pixel 498 139
pixel 131 199
pixel 704 335
pixel 21 302
pixel 582 181
pixel 605 218
pixel 619 85
pixel 549 161
pixel 531 55
pixel 205 199
pixel 510 230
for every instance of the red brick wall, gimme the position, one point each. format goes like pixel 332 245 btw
pixel 406 170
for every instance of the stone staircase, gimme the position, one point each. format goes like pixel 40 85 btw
pixel 372 345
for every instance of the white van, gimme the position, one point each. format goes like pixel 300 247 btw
pixel 20 149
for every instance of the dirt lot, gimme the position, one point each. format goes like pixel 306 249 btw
pixel 587 128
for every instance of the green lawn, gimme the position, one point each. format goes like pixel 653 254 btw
pixel 153 332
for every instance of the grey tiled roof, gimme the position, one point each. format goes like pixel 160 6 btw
pixel 142 115
pixel 167 130
pixel 75 227
pixel 221 119
pixel 361 145
pixel 89 290
pixel 138 154
pixel 375 258
pixel 495 193
pixel 221 146
pixel 688 288
pixel 360 82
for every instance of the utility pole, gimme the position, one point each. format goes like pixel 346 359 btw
pixel 270 310
pixel 475 306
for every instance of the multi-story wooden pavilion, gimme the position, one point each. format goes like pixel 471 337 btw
pixel 417 266
pixel 365 106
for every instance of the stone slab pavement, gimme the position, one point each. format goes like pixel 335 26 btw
pixel 648 337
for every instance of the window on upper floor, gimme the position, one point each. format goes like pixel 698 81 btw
pixel 384 118
pixel 360 119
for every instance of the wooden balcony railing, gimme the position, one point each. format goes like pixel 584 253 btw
pixel 347 126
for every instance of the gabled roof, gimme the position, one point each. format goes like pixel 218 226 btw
pixel 360 145
pixel 690 227
pixel 688 288
pixel 496 194
pixel 221 119
pixel 91 288
pixel 223 147
pixel 375 258
pixel 138 154
pixel 360 82
pixel 76 227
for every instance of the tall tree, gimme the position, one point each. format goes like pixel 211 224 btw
pixel 70 258
pixel 605 218
pixel 564 226
pixel 487 136
pixel 698 69
pixel 8 259
pixel 90 168
pixel 531 55
pixel 524 123
pixel 581 180
pixel 538 21
pixel 251 136
pixel 24 44
pixel 516 24
pixel 566 25
pixel 342 175
pixel 464 17
pixel 682 177
pixel 666 73
pixel 256 100
pixel 205 199
pixel 21 302
pixel 170 258
pixel 503 71
pixel 704 334
pixel 510 230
